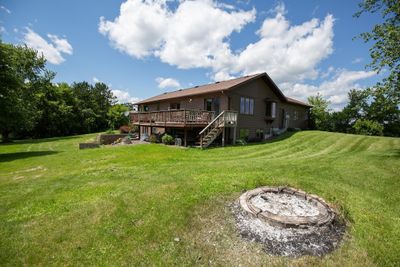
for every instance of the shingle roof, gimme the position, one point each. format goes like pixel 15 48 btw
pixel 217 87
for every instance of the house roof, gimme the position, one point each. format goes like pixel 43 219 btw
pixel 218 87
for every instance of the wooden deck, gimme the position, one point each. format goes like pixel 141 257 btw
pixel 173 118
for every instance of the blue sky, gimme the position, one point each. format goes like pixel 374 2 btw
pixel 145 48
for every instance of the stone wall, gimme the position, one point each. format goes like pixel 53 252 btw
pixel 107 139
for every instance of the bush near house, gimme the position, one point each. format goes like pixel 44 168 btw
pixel 167 139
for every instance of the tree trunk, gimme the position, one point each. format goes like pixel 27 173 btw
pixel 5 136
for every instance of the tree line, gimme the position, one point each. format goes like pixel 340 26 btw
pixel 375 110
pixel 32 106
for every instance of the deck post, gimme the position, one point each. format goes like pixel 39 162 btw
pixel 185 137
pixel 234 135
pixel 223 136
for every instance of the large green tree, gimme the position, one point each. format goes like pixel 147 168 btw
pixel 319 113
pixel 22 76
pixel 385 54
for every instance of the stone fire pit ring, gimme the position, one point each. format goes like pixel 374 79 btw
pixel 297 209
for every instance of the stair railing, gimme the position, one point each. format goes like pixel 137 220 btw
pixel 219 121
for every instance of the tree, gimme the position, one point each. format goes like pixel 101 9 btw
pixel 368 127
pixel 22 75
pixel 116 116
pixel 319 113
pixel 385 54
pixel 56 107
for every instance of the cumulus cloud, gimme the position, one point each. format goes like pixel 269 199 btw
pixel 288 53
pixel 52 50
pixel 335 89
pixel 164 83
pixel 124 96
pixel 194 35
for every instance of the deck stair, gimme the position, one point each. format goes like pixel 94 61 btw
pixel 217 126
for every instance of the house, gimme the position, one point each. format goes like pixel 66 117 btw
pixel 250 107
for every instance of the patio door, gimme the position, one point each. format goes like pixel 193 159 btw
pixel 212 104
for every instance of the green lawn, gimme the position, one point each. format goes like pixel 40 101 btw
pixel 126 205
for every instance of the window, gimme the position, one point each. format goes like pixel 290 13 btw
pixel 246 105
pixel 295 115
pixel 175 106
pixel 146 108
pixel 208 104
pixel 158 106
pixel 270 110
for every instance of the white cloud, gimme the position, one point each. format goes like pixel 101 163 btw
pixel 139 28
pixel 53 50
pixel 335 90
pixel 61 45
pixel 5 9
pixel 96 80
pixel 124 96
pixel 2 29
pixel 357 60
pixel 167 83
pixel 288 53
pixel 194 35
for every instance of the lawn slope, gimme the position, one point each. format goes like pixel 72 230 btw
pixel 126 205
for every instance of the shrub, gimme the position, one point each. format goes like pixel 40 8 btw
pixel 124 129
pixel 153 138
pixel 241 142
pixel 368 127
pixel 167 139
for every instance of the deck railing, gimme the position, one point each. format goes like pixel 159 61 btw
pixel 169 117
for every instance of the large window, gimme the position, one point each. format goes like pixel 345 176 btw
pixel 246 105
pixel 270 110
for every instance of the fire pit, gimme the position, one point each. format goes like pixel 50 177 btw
pixel 288 221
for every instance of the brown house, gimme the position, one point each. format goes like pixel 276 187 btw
pixel 250 107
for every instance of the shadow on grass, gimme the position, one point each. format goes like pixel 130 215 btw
pixel 23 155
pixel 43 140
pixel 392 153
pixel 279 138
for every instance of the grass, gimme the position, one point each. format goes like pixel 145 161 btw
pixel 126 205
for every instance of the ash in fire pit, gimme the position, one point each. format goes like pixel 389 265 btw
pixel 288 222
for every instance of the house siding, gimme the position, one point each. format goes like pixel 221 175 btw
pixel 195 102
pixel 259 91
